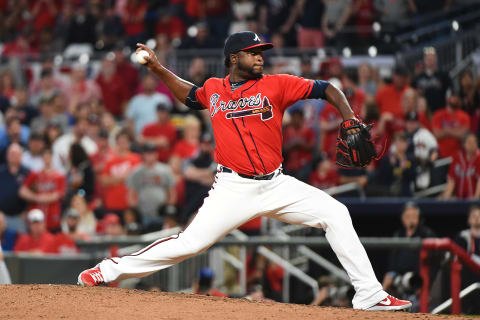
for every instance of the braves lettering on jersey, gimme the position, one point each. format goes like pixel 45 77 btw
pixel 249 119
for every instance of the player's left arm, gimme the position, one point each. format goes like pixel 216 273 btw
pixel 337 99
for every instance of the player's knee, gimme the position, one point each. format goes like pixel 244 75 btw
pixel 342 212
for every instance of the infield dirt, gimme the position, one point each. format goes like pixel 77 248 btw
pixel 72 302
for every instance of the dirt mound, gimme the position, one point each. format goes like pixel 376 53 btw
pixel 72 302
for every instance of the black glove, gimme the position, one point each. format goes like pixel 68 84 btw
pixel 355 149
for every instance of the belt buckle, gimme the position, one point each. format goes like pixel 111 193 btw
pixel 258 176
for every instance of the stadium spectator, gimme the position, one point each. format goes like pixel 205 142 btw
pixel 298 146
pixel 109 29
pixel 363 16
pixel 150 186
pixel 197 72
pixel 32 158
pixel 187 147
pixel 170 216
pixel 463 175
pixel 435 85
pixel 12 132
pixel 202 38
pixel 170 25
pixel 114 89
pixel 199 173
pixel 467 92
pixel 141 109
pixel 80 176
pixel 397 170
pixel 126 70
pixel 38 240
pixel 309 33
pixel 62 145
pixel 410 102
pixel 336 14
pixel 419 7
pixel 81 90
pixel 115 173
pixel 48 115
pixel 87 223
pixel 366 79
pixel 162 133
pixel 7 83
pixel 133 19
pixel 406 260
pixel 469 240
pixel 112 226
pixel 392 14
pixel 70 226
pixel 13 174
pixel 25 111
pixel 449 126
pixel 324 175
pixel 45 88
pixel 204 284
pixel 45 190
pixel 423 146
pixel 389 97
pixel 330 119
pixel 79 25
pixel 132 219
pixel 8 236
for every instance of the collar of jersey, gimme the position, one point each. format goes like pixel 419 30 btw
pixel 226 84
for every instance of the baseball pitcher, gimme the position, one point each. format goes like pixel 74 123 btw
pixel 246 109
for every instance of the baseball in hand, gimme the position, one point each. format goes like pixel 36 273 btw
pixel 141 56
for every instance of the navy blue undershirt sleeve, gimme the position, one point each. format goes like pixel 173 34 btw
pixel 318 89
pixel 191 101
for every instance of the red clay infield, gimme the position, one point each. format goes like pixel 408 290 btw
pixel 72 302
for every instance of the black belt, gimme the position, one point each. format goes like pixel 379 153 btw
pixel 269 176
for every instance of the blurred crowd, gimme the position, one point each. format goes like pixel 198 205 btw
pixel 38 27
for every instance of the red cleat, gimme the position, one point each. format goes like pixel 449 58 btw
pixel 390 303
pixel 90 278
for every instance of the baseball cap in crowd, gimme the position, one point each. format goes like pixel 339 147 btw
pixel 400 70
pixel 35 215
pixel 163 107
pixel 110 218
pixel 244 40
pixel 149 147
pixel 36 136
pixel 411 116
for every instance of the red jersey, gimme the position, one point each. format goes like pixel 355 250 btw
pixel 449 119
pixel 185 149
pixel 247 122
pixel 44 182
pixel 45 243
pixel 465 172
pixel 298 157
pixel 167 130
pixel 389 99
pixel 115 196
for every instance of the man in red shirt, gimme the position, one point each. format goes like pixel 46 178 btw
pixel 464 173
pixel 113 86
pixel 450 125
pixel 246 110
pixel 298 143
pixel 389 97
pixel 161 133
pixel 38 239
pixel 45 190
pixel 116 171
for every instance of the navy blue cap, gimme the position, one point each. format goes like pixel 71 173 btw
pixel 244 40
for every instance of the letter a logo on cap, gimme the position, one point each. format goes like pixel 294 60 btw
pixel 256 38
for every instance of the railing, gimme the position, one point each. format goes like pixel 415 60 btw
pixel 465 292
pixel 455 268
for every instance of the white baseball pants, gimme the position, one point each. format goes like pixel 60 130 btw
pixel 233 201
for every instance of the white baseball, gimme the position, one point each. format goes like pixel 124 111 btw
pixel 141 56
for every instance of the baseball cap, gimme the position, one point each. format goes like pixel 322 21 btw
pixel 148 147
pixel 163 107
pixel 36 136
pixel 110 218
pixel 35 215
pixel 244 40
pixel 411 116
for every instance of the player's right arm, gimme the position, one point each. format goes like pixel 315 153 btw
pixel 178 86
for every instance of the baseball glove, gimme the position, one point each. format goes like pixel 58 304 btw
pixel 355 149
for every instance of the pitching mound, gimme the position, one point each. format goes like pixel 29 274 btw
pixel 72 302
